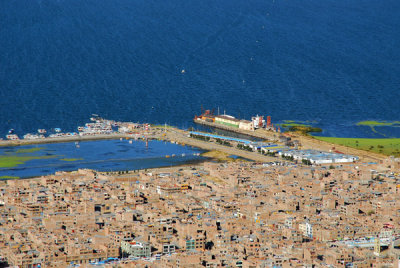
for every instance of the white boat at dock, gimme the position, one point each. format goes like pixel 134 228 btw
pixel 12 137
pixel 33 136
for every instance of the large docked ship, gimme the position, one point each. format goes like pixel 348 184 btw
pixel 224 120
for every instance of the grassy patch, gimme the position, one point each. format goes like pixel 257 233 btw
pixel 378 123
pixel 71 159
pixel 224 157
pixel 382 146
pixel 9 177
pixel 218 155
pixel 13 161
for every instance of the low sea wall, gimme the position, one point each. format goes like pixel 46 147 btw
pixel 64 139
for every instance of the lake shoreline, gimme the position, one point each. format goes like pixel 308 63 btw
pixel 5 143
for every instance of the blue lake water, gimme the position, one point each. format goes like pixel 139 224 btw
pixel 332 62
pixel 108 155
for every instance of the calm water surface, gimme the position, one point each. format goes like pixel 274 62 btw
pixel 108 155
pixel 333 62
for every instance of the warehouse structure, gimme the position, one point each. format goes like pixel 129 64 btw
pixel 319 157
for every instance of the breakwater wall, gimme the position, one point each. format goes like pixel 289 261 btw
pixel 64 139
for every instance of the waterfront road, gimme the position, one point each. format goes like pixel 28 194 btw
pixel 307 142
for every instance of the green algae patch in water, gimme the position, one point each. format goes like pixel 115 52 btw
pixel 102 155
pixel 71 159
pixel 377 126
pixel 9 178
pixel 379 123
pixel 303 127
pixel 9 161
pixel 288 125
pixel 30 150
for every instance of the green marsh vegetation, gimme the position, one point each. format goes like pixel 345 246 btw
pixel 379 123
pixel 381 146
pixel 20 156
pixel 8 161
pixel 300 127
pixel 30 150
pixel 374 124
pixel 9 178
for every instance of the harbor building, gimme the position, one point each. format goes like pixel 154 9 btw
pixel 319 157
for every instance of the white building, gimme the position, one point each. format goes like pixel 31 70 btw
pixel 319 157
pixel 306 229
pixel 136 249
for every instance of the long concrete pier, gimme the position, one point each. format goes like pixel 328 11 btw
pixel 63 139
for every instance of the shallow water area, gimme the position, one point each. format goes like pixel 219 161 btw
pixel 353 130
pixel 106 155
